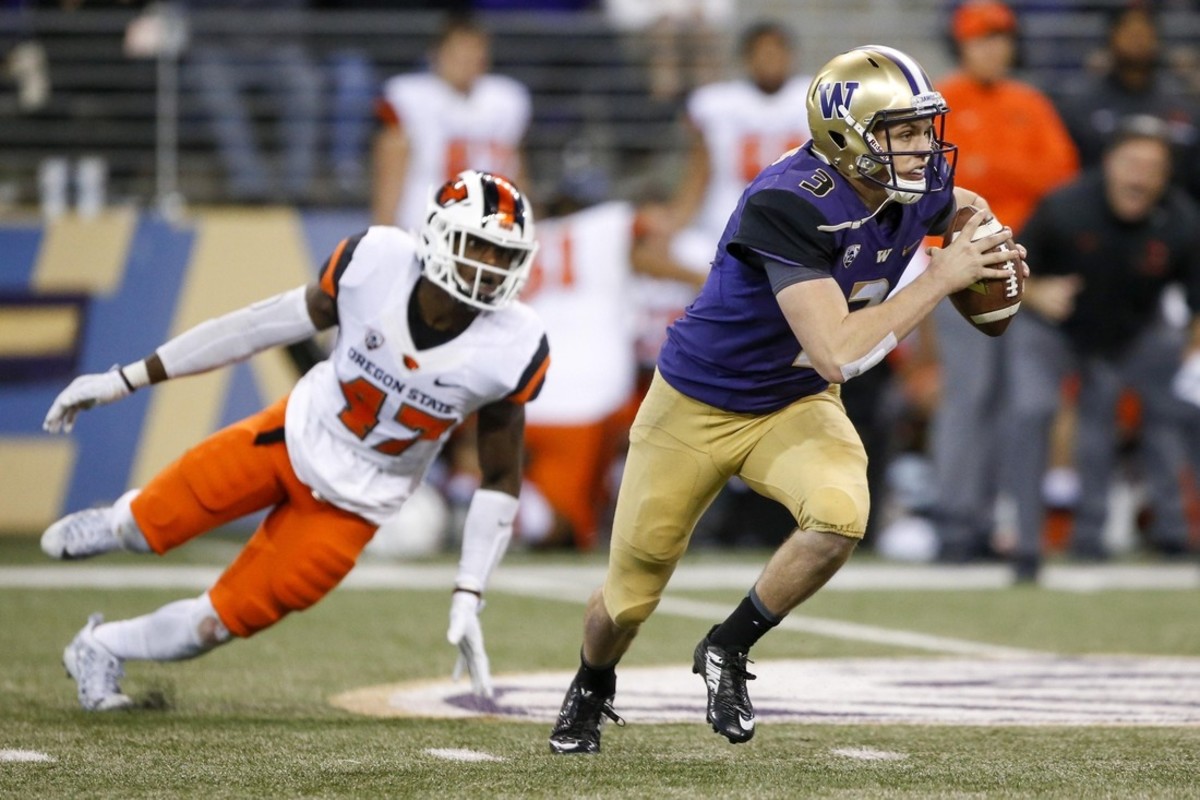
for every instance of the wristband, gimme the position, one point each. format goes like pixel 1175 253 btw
pixel 135 375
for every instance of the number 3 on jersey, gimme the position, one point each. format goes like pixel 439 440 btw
pixel 364 400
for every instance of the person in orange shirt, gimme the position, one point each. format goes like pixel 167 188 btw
pixel 988 103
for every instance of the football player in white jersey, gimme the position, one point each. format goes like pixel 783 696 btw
pixel 580 287
pixel 437 123
pixel 739 127
pixel 429 332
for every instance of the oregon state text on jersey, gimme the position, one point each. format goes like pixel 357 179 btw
pixel 733 349
pixel 364 425
pixel 449 132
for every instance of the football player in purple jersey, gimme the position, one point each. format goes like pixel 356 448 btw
pixel 799 300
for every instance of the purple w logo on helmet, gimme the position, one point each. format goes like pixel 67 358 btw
pixel 835 96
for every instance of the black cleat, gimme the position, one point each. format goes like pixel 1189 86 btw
pixel 725 675
pixel 579 720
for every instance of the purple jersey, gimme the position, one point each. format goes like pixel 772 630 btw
pixel 733 348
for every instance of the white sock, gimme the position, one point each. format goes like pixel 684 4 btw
pixel 179 630
pixel 126 526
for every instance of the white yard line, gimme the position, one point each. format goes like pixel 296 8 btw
pixel 568 583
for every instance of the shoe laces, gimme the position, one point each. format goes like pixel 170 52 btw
pixel 85 531
pixel 734 673
pixel 588 707
pixel 101 668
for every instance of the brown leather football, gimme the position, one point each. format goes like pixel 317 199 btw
pixel 989 305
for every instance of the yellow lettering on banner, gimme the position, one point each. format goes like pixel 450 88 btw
pixel 85 254
pixel 37 472
pixel 239 256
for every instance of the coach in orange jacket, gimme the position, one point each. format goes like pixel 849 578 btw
pixel 1014 148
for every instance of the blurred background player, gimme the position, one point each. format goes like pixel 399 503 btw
pixel 1107 246
pixel 738 127
pixel 580 287
pixel 437 123
pixel 1037 155
pixel 428 334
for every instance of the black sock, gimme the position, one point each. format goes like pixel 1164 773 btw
pixel 748 623
pixel 597 679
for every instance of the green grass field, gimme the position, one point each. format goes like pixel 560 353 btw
pixel 253 719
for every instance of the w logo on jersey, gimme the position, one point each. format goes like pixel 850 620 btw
pixel 835 96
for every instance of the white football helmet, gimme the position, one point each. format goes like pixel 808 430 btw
pixel 477 242
pixel 855 96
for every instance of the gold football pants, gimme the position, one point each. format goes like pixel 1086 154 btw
pixel 806 456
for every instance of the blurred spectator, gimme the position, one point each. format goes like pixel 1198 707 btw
pixel 577 426
pixel 240 47
pixel 1129 78
pixel 681 41
pixel 1103 250
pixel 987 106
pixel 439 122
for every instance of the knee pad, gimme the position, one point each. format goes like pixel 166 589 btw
pixel 634 587
pixel 834 510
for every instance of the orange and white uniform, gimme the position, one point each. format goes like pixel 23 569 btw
pixel 744 130
pixel 580 287
pixel 448 132
pixel 342 453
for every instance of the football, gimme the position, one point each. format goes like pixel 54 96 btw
pixel 989 305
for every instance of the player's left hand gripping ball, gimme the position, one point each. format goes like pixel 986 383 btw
pixel 468 636
pixel 989 305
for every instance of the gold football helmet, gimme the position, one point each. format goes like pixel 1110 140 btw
pixel 852 100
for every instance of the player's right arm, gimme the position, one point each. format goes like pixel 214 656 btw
pixel 389 170
pixel 696 176
pixel 285 318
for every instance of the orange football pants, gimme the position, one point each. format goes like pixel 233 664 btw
pixel 302 549
pixel 569 466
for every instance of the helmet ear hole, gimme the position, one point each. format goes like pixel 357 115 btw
pixel 838 139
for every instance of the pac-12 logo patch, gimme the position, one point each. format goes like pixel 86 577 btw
pixel 850 254
pixel 373 339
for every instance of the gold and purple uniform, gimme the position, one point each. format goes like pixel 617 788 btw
pixel 734 394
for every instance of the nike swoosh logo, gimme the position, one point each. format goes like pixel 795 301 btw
pixel 747 723
pixel 445 385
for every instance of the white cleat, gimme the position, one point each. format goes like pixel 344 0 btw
pixel 95 671
pixel 83 534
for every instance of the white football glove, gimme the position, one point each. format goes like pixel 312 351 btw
pixel 1186 383
pixel 83 393
pixel 468 636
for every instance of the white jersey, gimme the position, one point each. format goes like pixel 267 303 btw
pixel 363 426
pixel 581 288
pixel 744 130
pixel 448 132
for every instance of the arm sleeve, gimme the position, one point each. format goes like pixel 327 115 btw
pixel 282 319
